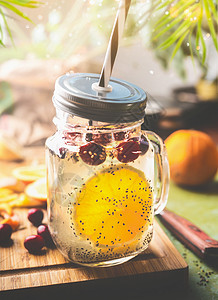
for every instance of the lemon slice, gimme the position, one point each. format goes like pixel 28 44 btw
pixel 114 207
pixel 37 190
pixel 29 173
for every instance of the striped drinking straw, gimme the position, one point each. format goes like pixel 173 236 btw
pixel 115 38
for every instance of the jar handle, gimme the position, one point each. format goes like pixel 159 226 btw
pixel 161 171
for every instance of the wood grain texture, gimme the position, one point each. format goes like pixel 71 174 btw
pixel 20 269
pixel 161 264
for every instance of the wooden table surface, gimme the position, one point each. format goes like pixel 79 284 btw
pixel 25 275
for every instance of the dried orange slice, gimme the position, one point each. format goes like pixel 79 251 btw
pixel 12 184
pixel 9 198
pixel 24 201
pixel 4 192
pixel 114 208
pixel 29 174
pixel 37 190
pixel 8 216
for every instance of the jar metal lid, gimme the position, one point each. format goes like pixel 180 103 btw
pixel 74 93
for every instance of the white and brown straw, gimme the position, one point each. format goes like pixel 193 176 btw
pixel 115 37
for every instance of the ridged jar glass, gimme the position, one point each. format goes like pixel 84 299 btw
pixel 106 180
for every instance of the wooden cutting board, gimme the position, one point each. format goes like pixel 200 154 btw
pixel 160 265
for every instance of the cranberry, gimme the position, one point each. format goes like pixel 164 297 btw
pixel 34 243
pixel 143 144
pixel 88 137
pixel 35 216
pixel 92 153
pixel 62 152
pixel 128 151
pixel 5 233
pixel 44 232
pixel 122 135
pixel 102 139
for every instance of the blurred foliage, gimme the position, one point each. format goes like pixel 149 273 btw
pixel 173 29
pixel 11 6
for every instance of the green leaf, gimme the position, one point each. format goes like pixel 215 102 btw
pixel 7 27
pixel 176 20
pixel 166 28
pixel 182 28
pixel 178 44
pixel 165 4
pixel 166 18
pixel 15 10
pixel 213 9
pixel 2 44
pixel 26 3
pixel 210 24
pixel 190 47
pixel 204 49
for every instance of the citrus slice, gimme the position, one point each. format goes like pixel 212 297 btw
pixel 114 207
pixel 29 174
pixel 37 190
pixel 24 201
pixel 4 192
pixel 7 216
pixel 8 198
pixel 12 184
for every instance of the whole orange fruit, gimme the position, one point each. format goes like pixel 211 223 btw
pixel 193 157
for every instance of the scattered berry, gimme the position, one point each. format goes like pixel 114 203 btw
pixel 44 232
pixel 5 233
pixel 34 243
pixel 35 216
pixel 128 151
pixel 92 153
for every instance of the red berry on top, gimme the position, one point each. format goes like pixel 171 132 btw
pixel 128 151
pixel 101 138
pixel 122 135
pixel 35 216
pixel 5 233
pixel 34 243
pixel 92 153
pixel 143 144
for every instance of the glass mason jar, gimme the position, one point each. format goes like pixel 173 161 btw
pixel 106 177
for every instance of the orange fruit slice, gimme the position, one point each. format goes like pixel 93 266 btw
pixel 7 216
pixel 37 190
pixel 29 174
pixel 9 198
pixel 114 208
pixel 24 201
pixel 12 184
pixel 4 192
